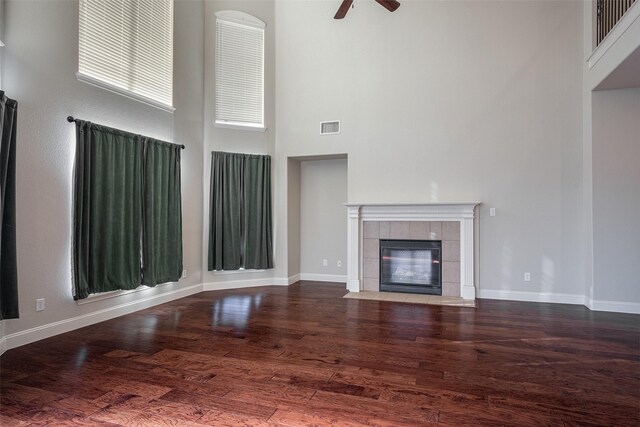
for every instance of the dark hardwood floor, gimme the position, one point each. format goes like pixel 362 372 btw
pixel 302 355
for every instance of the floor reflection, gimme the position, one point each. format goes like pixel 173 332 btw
pixel 81 356
pixel 144 335
pixel 234 310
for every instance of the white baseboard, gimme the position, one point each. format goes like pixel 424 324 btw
pixel 286 281
pixel 51 329
pixel 613 306
pixel 273 281
pixel 336 278
pixel 250 283
pixel 3 341
pixel 237 284
pixel 531 296
pixel 595 305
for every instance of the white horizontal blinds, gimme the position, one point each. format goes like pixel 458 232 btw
pixel 239 62
pixel 129 44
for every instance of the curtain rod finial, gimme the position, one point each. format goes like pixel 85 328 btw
pixel 70 119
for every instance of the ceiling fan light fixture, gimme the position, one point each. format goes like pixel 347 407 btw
pixel 390 5
pixel 343 9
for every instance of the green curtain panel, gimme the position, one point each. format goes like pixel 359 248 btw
pixel 162 214
pixel 108 210
pixel 127 213
pixel 258 252
pixel 240 228
pixel 225 211
pixel 8 260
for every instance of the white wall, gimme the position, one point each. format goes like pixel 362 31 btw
pixel 616 195
pixel 449 101
pixel 40 66
pixel 1 38
pixel 231 140
pixel 323 219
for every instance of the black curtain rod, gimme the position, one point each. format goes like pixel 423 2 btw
pixel 72 119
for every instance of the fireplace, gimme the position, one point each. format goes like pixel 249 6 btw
pixel 411 266
pixel 450 222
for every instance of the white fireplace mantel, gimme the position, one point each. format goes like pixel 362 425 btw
pixel 463 212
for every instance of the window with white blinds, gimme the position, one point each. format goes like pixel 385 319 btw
pixel 239 71
pixel 127 46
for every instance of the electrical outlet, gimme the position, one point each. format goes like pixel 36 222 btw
pixel 527 277
pixel 492 211
pixel 325 263
pixel 339 263
pixel 40 304
pixel 184 274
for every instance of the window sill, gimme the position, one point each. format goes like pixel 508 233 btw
pixel 120 91
pixel 113 294
pixel 238 126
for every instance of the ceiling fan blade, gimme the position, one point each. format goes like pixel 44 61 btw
pixel 343 9
pixel 390 5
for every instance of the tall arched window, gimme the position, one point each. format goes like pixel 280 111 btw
pixel 239 71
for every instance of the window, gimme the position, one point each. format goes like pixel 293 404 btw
pixel 127 46
pixel 239 64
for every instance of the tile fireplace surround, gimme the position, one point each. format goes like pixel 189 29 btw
pixel 451 222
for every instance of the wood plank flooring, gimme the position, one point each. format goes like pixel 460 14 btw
pixel 302 355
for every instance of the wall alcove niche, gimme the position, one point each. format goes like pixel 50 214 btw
pixel 317 224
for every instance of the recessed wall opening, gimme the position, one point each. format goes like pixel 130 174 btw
pixel 317 218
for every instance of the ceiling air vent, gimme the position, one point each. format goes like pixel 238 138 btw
pixel 330 128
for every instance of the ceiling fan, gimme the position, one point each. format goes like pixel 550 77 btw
pixel 390 5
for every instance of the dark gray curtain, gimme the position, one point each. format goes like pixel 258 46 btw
pixel 8 260
pixel 162 217
pixel 225 211
pixel 240 225
pixel 108 210
pixel 127 211
pixel 258 248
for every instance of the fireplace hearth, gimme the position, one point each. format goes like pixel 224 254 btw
pixel 413 266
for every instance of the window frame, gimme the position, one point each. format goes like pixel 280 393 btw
pixel 242 19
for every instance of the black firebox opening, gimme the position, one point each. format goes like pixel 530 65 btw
pixel 411 266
